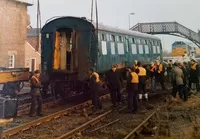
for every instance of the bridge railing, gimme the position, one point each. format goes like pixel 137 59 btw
pixel 172 28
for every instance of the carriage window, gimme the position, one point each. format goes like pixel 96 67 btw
pixel 141 41
pixel 154 49
pixel 120 38
pixel 146 47
pixel 112 47
pixel 145 42
pixel 117 38
pixel 113 38
pixel 104 47
pixel 134 48
pixel 130 40
pixel 154 43
pixel 107 37
pixel 158 49
pixel 141 49
pixel 120 48
pixel 138 41
pixel 133 40
pixel 103 38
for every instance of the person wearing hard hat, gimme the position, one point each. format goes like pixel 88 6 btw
pixel 194 74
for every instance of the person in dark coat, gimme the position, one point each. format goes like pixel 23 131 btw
pixel 114 81
pixel 194 74
pixel 132 90
pixel 95 89
pixel 36 94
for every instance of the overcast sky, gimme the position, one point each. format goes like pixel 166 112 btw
pixel 116 12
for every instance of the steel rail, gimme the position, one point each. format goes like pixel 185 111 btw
pixel 84 126
pixel 135 130
pixel 41 120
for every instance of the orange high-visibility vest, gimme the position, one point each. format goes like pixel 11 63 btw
pixel 142 71
pixel 194 66
pixel 37 80
pixel 96 75
pixel 160 68
pixel 135 78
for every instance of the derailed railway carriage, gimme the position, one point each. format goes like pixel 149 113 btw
pixel 70 47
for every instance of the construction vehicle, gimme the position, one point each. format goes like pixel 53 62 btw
pixel 12 78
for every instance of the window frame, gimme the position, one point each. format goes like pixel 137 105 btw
pixel 120 49
pixel 102 46
pixel 133 40
pixel 113 38
pixel 111 46
pixel 120 39
pixel 146 47
pixel 11 62
pixel 141 49
pixel 135 49
pixel 103 37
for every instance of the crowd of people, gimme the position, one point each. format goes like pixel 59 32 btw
pixel 180 75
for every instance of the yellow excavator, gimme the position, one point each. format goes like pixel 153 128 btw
pixel 12 81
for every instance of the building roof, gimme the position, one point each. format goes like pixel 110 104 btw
pixel 26 2
pixel 33 32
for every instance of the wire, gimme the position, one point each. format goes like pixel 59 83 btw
pixel 38 25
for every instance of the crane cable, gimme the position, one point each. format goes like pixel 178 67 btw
pixel 38 25
pixel 96 30
pixel 96 17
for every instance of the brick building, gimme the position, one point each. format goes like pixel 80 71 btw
pixel 32 57
pixel 13 26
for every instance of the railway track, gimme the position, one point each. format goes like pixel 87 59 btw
pixel 42 121
pixel 20 129
pixel 136 131
pixel 88 127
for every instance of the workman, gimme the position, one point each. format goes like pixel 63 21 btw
pixel 194 74
pixel 169 71
pixel 132 90
pixel 178 77
pixel 160 70
pixel 142 82
pixel 95 89
pixel 36 86
pixel 114 82
pixel 152 75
